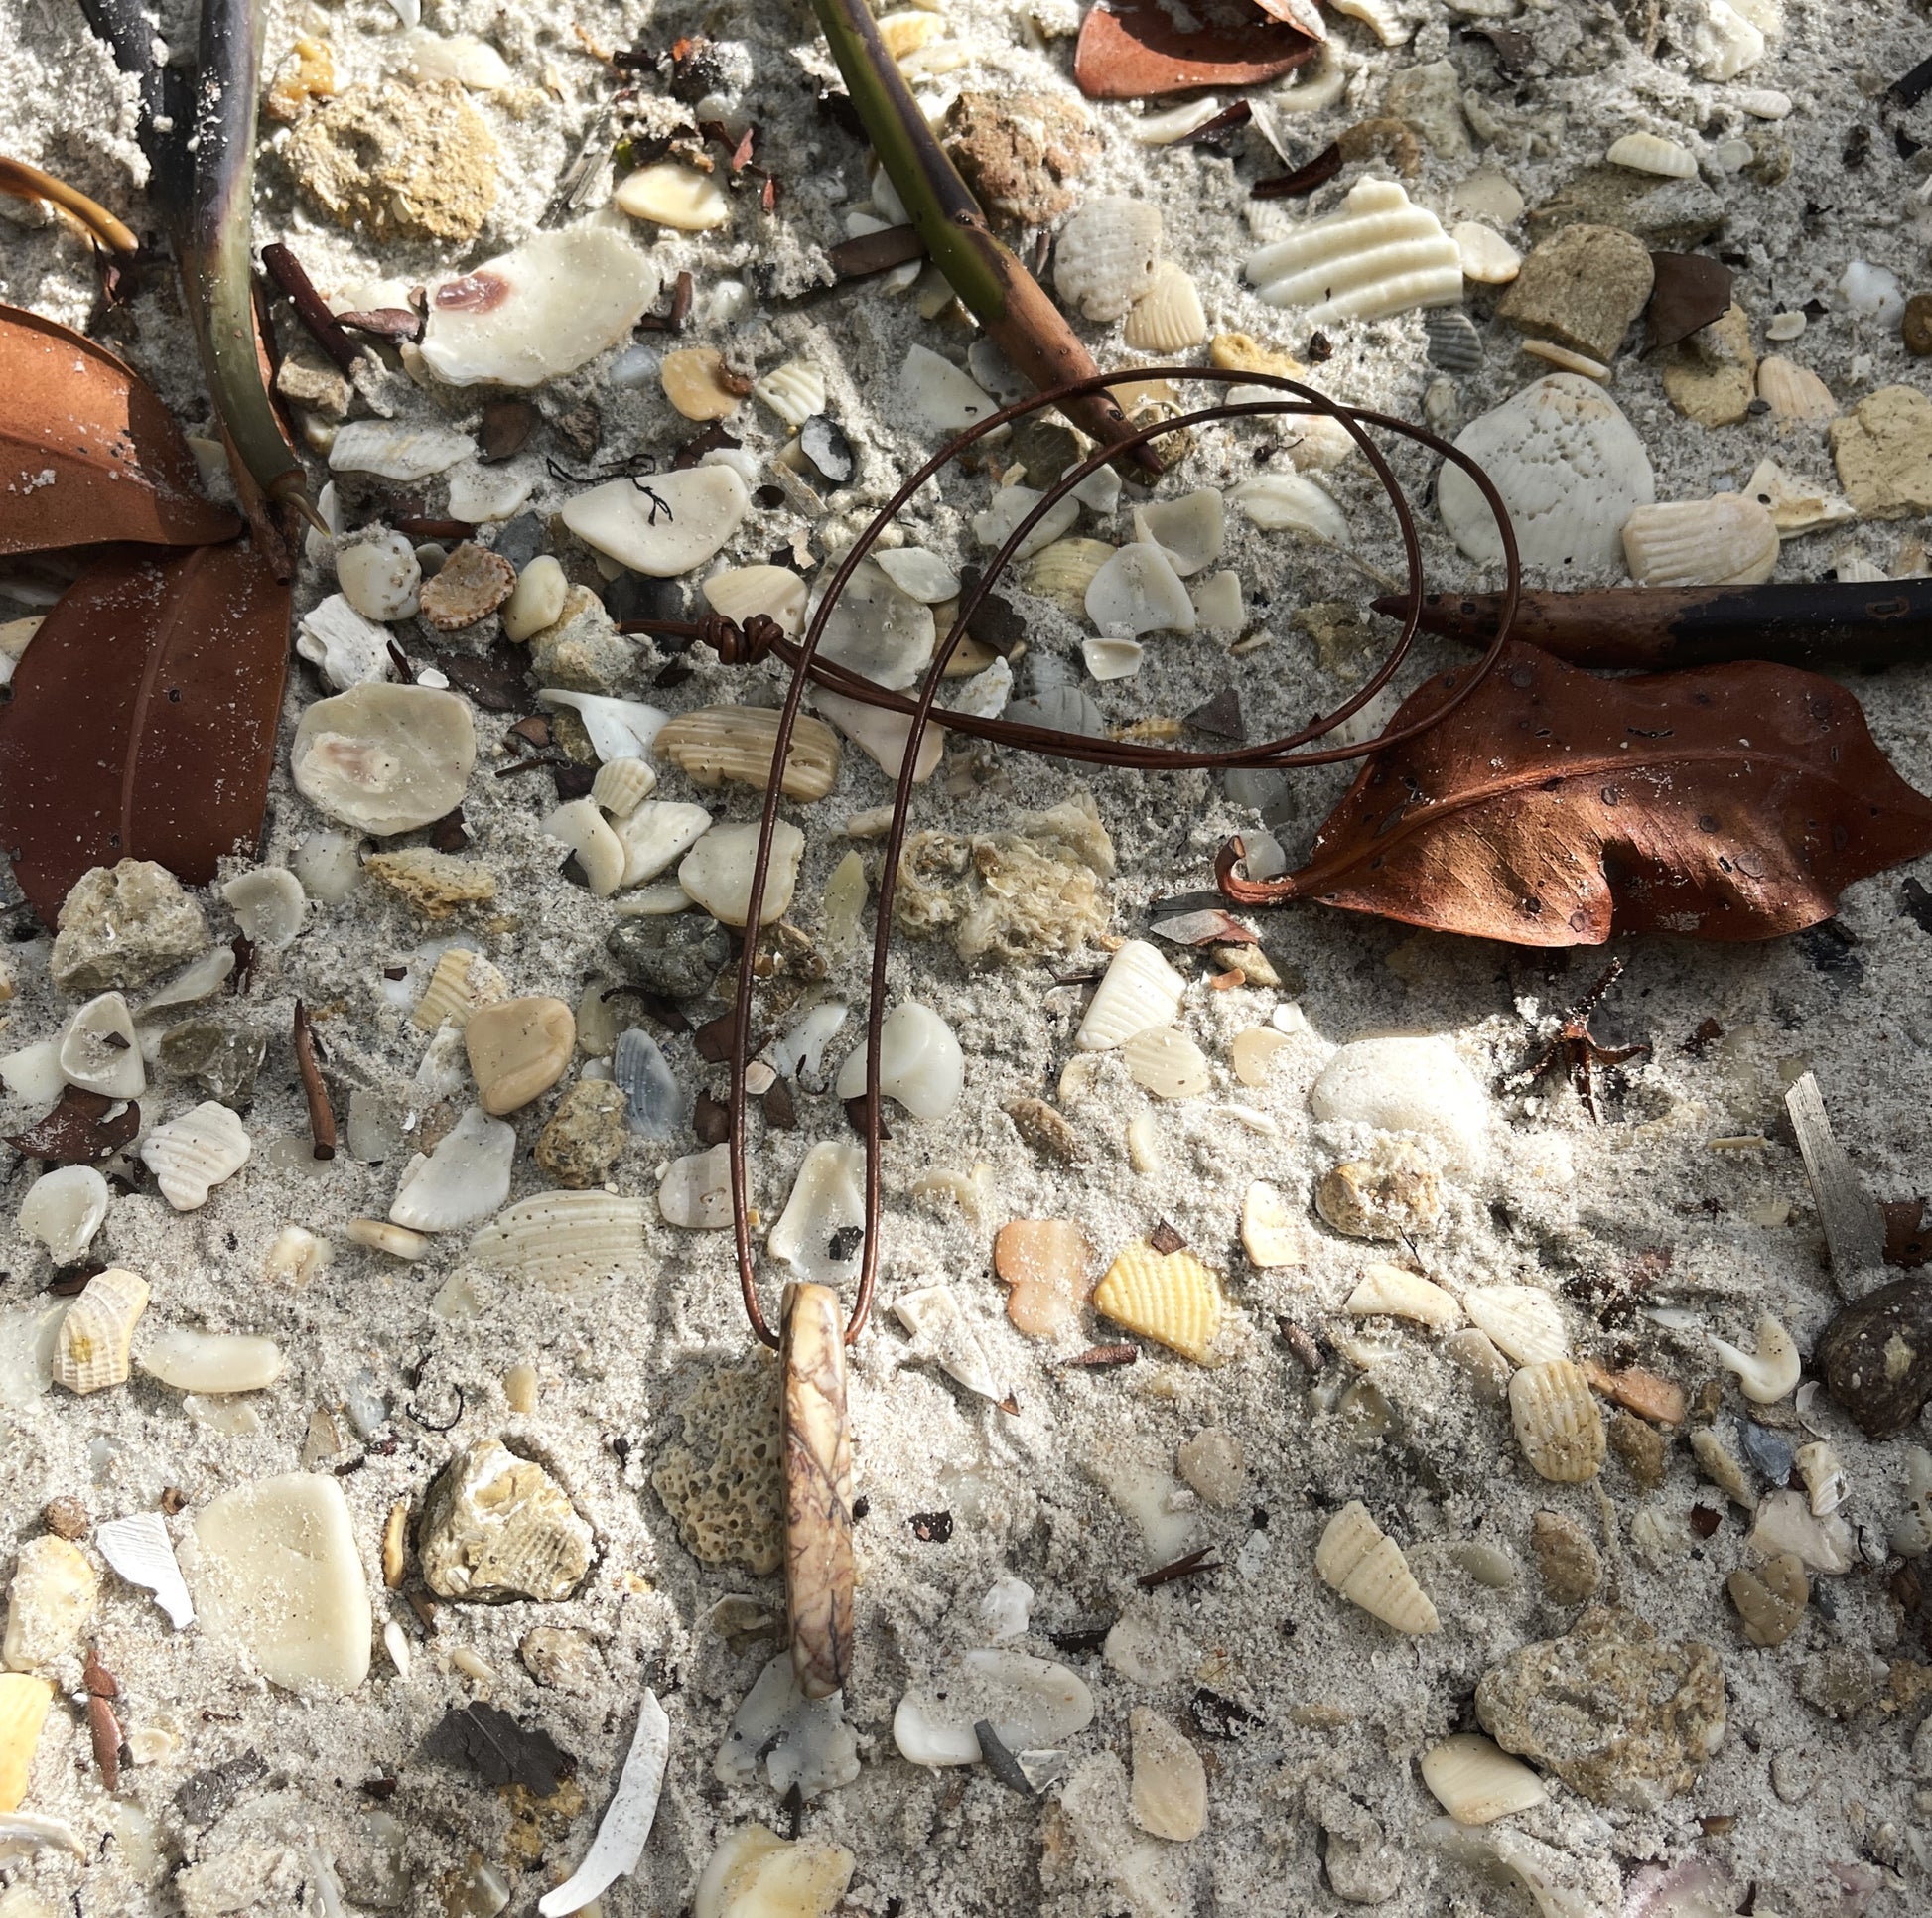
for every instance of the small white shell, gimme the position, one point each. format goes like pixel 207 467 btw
pixel 1652 153
pixel 623 785
pixel 619 729
pixel 1191 531
pixel 1111 659
pixel 1140 989
pixel 538 599
pixel 1764 1377
pixel 1219 607
pixel 1362 1563
pixel 1137 592
pixel 670 193
pixel 348 649
pixel 695 1191
pixel 91 1350
pixel 1379 17
pixel 713 743
pixel 1486 257
pixel 656 835
pixel 921 1063
pixel 1722 1466
pixel 269 905
pixel 139 1550
pixel 194 1361
pixel 99 1051
pixel 381 1235
pixel 385 758
pixel 1378 256
pixel 1786 325
pixel 424 58
pixel 918 573
pixel 1163 129
pixel 678 523
pixel 941 1333
pixel 1475 1781
pixel 1292 502
pixel 1558 1423
pixel 820 1232
pixel 196 1152
pixel 940 394
pixel 1105 257
pixel 461 982
pixel 619 1844
pixel 1523 1322
pixel 63 1209
pixel 1793 392
pixel 795 392
pixel 581 825
pixel 378 573
pixel 716 872
pixel 563 1239
pixel 740 591
pixel 1564 360
pixel 1167 1064
pixel 1166 318
pixel 1010 506
pixel 392 449
pixel 1270 1234
pixel 466 1178
pixel 1397 1293
pixel 1728 540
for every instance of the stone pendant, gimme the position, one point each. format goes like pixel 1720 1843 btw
pixel 818 1490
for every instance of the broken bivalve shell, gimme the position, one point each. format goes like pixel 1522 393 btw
pixel 881 735
pixel 1521 1321
pixel 668 194
pixel 398 1241
pixel 563 1239
pixel 623 785
pixel 1111 659
pixel 663 526
pixel 795 392
pixel 462 982
pixel 739 592
pixel 99 1051
pixel 1797 506
pixel 1475 1781
pixel 1357 1559
pixel 1138 591
pixel 919 1063
pixel 1171 1298
pixel 1487 258
pixel 821 1231
pixel 1271 1234
pixel 466 1178
pixel 1105 257
pixel 1557 1420
pixel 1379 255
pixel 1191 531
pixel 63 1209
pixel 941 1332
pixel 1010 506
pixel 1292 502
pixel 600 854
pixel 938 394
pixel 1396 1293
pixel 656 835
pixel 1767 1375
pixel 716 872
pixel 269 905
pixel 194 1361
pixel 1728 540
pixel 754 1873
pixel 619 729
pixel 877 631
pixel 347 649
pixel 385 758
pixel 139 1548
pixel 378 573
pixel 695 1191
pixel 799 1741
pixel 918 573
pixel 1652 153
pixel 654 1104
pixel 1793 392
pixel 196 1152
pixel 1030 1703
pixel 391 450
pixel 24 1700
pixel 1064 571
pixel 1165 1061
pixel 91 1352
pixel 1166 318
pixel 1139 990
pixel 718 742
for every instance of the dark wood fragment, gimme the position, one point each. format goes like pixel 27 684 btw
pixel 77 1131
pixel 1303 180
pixel 880 252
pixel 506 425
pixel 321 1115
pixel 1187 1565
pixel 312 310
pixel 1096 1356
pixel 1164 1238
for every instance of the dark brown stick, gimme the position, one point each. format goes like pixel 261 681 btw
pixel 1303 180
pixel 310 307
pixel 321 1115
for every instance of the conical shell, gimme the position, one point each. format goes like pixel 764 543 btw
pixel 1168 316
pixel 1106 255
pixel 1557 1420
pixel 793 392
pixel 1652 153
pixel 1525 1324
pixel 719 742
pixel 196 1152
pixel 1140 989
pixel 1396 1293
pixel 1475 1780
pixel 1167 1064
pixel 623 785
pixel 1170 1297
pixel 775 591
pixel 91 1351
pixel 1362 1563
pixel 1793 392
pixel 1728 540
pixel 1064 571
pixel 24 1703
pixel 1379 255
pixel 563 1239
pixel 1270 1233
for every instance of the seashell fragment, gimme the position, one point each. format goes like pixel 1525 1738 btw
pixel 466 1178
pixel 1292 502
pixel 1400 1294
pixel 918 573
pixel 49 1604
pixel 518 1049
pixel 1166 318
pixel 563 1239
pixel 1487 257
pixel 1010 506
pixel 719 742
pixel 24 1703
pixel 1519 1320
pixel 941 1332
pixel 1652 153
pixel 219 1362
pixel 1191 531
pixel 1380 17
pixel 755 1873
pixel 1357 1559
pixel 1139 990
pixel 668 194
pixel 1044 1262
pixel 91 1351
pixel 1270 1234
pixel 1764 1377
pixel 1571 470
pixel 619 1846
pixel 1797 506
pixel 380 1235
pixel 1169 1791
pixel 881 735
pixel 653 1105
pixel 623 785
pixel 63 1209
pixel 538 599
pixel 919 1062
pixel 1825 1481
pixel 775 591
pixel 385 758
pixel 378 573
pixel 1557 1420
pixel 716 872
pixel 877 631
pixel 347 648
pixel 1377 256
pixel 295 1256
pixel 99 1051
pixel 656 835
pixel 940 394
pixel 268 905
pixel 1104 259
pixel 139 1548
pixel 821 1231
pixel 391 450
pixel 1564 360
pixel 581 825
pixel 695 1191
pixel 1170 1297
pixel 1728 540
pixel 195 1152
pixel 1793 392
pixel 1031 1703
pixel 1167 1064
pixel 795 392
pixel 666 527
pixel 696 383
pixel 462 982
pixel 1770 1598
pixel 1407 1083
pixel 1475 1781
pixel 619 729
pixel 1064 572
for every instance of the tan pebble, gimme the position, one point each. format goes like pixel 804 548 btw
pixel 24 1703
pixel 1475 1781
pixel 295 1256
pixel 435 886
pixel 1046 1131
pixel 66 1518
pixel 1255 1050
pixel 1659 1400
pixel 1793 392
pixel 469 586
pixel 1771 1597
pixel 395 1544
pixel 1557 1421
pixel 517 1049
pixel 1270 1234
pixel 1722 1468
pixel 1393 1193
pixel 1045 1263
pixel 396 1240
pixel 1396 1293
pixel 1214 1464
pixel 49 1603
pixel 719 742
pixel 1643 1450
pixel 1170 1297
pixel 1170 1792
pixel 520 1387
pixel 92 1352
pixel 476 1669
pixel 1565 1558
pixel 539 601
pixel 1711 378
pixel 1241 353
pixel 1361 1562
pixel 697 384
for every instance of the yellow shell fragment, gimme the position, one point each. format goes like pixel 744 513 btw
pixel 1254 1051
pixel 1793 392
pixel 1557 1420
pixel 1063 571
pixel 696 383
pixel 1168 316
pixel 1242 353
pixel 24 1700
pixel 1396 1293
pixel 1475 1781
pixel 670 194
pixel 1362 1563
pixel 463 982
pixel 1170 1297
pixel 719 742
pixel 95 1334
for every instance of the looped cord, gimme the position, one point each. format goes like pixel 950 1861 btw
pixel 738 646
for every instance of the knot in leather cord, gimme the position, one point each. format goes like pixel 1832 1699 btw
pixel 738 646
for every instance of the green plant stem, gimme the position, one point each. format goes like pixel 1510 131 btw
pixel 1003 296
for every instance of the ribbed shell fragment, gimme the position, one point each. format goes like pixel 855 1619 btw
pixel 1378 256
pixel 1361 1562
pixel 1557 1420
pixel 718 742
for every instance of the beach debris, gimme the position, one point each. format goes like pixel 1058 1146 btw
pixel 213 1362
pixel 940 394
pixel 821 1231
pixel 122 925
pixel 919 1063
pixel 1376 257
pixel 655 834
pixel 1393 1193
pixel 663 526
pixel 1557 1420
pixel 385 758
pixel 499 1749
pixel 795 392
pixel 398 161
pixel 1794 393
pixel 1582 288
pixel 1214 1462
pixel 518 1049
pixel 713 743
pixel 723 1483
pixel 1171 1298
pixel 63 1209
pixel 1046 1264
pixel 1106 254
pixel 139 1548
pixel 1271 1234
pixel 497 1527
pixel 1877 1356
pixel 942 1331
pixel 278 1577
pixel 1289 502
pixel 1728 540
pixel 1476 1782
pixel 538 599
pixel 878 632
pixel 883 736
pixel 802 1743
pixel 623 785
pixel 565 1240
pixel 1357 1559
pixel 1766 1376
pixel 1487 258
pixel 435 886
pixel 24 1703
pixel 1136 591
pixel 1010 506
pixel 1033 1705
pixel 1407 1085
pixel 1770 1598
pixel 716 872
pixel 396 450
pixel 1523 1322
pixel 585 1136
pixel 1567 1561
pixel 465 1177
pixel 347 649
pixel 1139 990
pixel 269 905
pixel 49 1603
pixel 741 592
pixel 1167 318
pixel 754 1873
pixel 1882 449
pixel 91 1351
pixel 1711 378
pixel 698 387
pixel 1396 1293
pixel 668 193
pixel 462 983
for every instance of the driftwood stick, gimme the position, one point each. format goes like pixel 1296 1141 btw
pixel 311 308
pixel 321 1115
pixel 1854 1227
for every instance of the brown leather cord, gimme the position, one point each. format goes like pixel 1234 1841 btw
pixel 761 637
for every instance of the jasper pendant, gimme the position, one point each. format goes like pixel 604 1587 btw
pixel 819 1571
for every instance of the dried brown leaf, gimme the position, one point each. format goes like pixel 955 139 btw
pixel 1552 808
pixel 77 1131
pixel 88 453
pixel 1134 51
